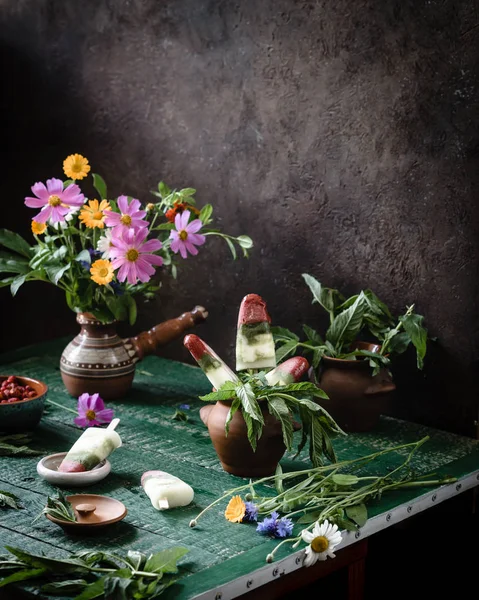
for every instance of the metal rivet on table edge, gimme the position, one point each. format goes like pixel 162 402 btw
pixel 388 517
pixel 477 476
pixel 275 572
pixel 249 583
pixel 409 509
pixel 458 486
pixel 298 560
pixel 434 498
pixel 218 596
pixel 357 534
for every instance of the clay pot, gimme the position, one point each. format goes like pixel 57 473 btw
pixel 234 451
pixel 356 398
pixel 99 361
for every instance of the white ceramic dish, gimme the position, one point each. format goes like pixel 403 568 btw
pixel 47 468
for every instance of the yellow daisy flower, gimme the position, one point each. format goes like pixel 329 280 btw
pixel 102 272
pixel 38 228
pixel 76 166
pixel 93 215
pixel 236 509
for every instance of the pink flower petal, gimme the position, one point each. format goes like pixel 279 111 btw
pixel 43 215
pixel 105 415
pixel 132 274
pixel 58 214
pixel 118 262
pixel 174 234
pixel 123 204
pixel 196 238
pixel 40 190
pixel 151 246
pixel 83 403
pixel 96 403
pixel 185 217
pixel 35 202
pixel 191 247
pixel 81 421
pixel 175 245
pixel 178 222
pixel 153 259
pixel 139 236
pixel 134 207
pixel 194 226
pixel 183 251
pixel 54 186
pixel 123 272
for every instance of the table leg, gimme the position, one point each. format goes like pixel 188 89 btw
pixel 356 579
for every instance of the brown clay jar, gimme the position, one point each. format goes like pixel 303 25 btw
pixel 356 398
pixel 234 451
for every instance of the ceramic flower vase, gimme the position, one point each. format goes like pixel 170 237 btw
pixel 234 451
pixel 97 360
pixel 356 398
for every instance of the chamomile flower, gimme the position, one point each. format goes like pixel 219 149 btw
pixel 322 541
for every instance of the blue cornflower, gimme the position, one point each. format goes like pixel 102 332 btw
pixel 185 406
pixel 117 289
pixel 85 264
pixel 94 253
pixel 251 513
pixel 275 526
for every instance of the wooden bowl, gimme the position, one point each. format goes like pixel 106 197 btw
pixel 102 511
pixel 24 415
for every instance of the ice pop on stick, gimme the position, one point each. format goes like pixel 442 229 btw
pixel 165 490
pixel 254 340
pixel 93 446
pixel 289 371
pixel 212 365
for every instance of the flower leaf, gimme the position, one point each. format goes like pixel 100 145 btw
pixel 15 242
pixel 22 575
pixel 413 326
pixel 347 324
pixel 17 283
pixel 279 409
pixel 100 186
pixel 165 561
pixel 281 333
pixel 231 413
pixel 205 214
pixel 357 513
pixel 8 500
pixel 324 296
pixel 13 263
pixel 312 335
pixel 287 348
pixel 248 401
pixel 344 479
pixel 66 565
pixel 226 392
pixel 59 588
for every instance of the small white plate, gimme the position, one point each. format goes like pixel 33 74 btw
pixel 47 468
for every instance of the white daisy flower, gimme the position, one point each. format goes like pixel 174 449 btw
pixel 104 243
pixel 322 541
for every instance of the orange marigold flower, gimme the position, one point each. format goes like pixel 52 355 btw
pixel 102 272
pixel 93 214
pixel 178 208
pixel 76 166
pixel 38 228
pixel 236 509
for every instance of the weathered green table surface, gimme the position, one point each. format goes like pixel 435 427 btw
pixel 225 560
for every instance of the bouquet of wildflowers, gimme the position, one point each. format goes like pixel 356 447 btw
pixel 103 252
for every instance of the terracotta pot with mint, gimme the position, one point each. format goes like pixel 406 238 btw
pixel 252 416
pixel 351 362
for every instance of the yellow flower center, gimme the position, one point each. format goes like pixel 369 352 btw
pixel 76 167
pixel 132 255
pixel 126 220
pixel 90 415
pixel 54 201
pixel 183 235
pixel 150 206
pixel 98 215
pixel 320 544
pixel 103 272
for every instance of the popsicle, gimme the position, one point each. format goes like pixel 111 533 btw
pixel 93 446
pixel 165 490
pixel 289 371
pixel 254 340
pixel 212 365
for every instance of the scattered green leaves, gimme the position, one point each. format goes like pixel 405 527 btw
pixel 9 500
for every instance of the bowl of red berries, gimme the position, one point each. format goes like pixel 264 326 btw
pixel 22 400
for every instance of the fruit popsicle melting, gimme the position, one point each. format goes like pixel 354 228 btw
pixel 165 490
pixel 254 340
pixel 212 365
pixel 290 371
pixel 93 446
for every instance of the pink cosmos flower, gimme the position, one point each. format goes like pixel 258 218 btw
pixel 55 201
pixel 185 237
pixel 133 256
pixel 92 411
pixel 130 217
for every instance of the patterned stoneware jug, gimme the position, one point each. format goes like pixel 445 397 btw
pixel 99 361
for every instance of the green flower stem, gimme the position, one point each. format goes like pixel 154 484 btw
pixel 314 470
pixel 133 572
pixel 61 406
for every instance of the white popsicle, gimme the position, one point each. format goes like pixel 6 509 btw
pixel 165 490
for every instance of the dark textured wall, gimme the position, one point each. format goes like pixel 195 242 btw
pixel 342 136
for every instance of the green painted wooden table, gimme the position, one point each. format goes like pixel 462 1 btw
pixel 225 560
